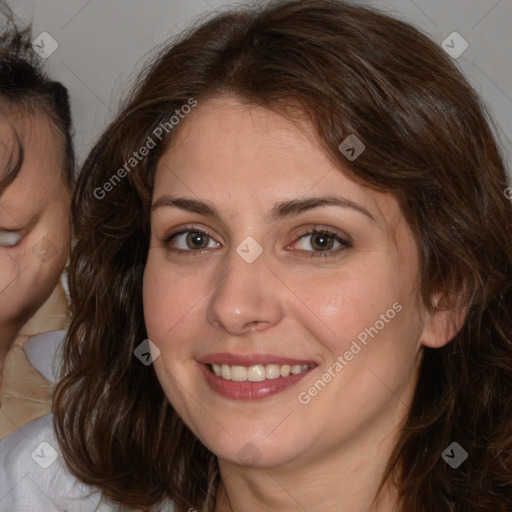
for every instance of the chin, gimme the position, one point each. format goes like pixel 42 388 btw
pixel 256 453
pixel 252 446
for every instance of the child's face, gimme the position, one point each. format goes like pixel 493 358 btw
pixel 34 224
pixel 347 315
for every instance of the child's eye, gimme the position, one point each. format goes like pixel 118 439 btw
pixel 10 238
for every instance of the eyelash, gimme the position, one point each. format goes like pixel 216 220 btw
pixel 196 252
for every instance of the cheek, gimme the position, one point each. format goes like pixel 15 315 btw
pixel 154 301
pixel 28 275
pixel 9 265
pixel 56 221
pixel 166 302
pixel 166 313
pixel 346 304
pixel 14 296
pixel 48 246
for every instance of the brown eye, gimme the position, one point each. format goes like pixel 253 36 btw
pixel 323 243
pixel 189 241
pixel 197 240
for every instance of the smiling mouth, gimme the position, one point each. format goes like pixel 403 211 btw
pixel 253 376
pixel 257 372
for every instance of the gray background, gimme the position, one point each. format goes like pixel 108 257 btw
pixel 102 44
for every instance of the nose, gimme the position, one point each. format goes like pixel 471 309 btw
pixel 247 298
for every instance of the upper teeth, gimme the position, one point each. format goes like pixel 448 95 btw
pixel 257 372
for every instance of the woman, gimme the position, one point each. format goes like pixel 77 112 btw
pixel 291 288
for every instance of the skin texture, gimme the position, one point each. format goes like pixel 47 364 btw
pixel 243 159
pixel 36 205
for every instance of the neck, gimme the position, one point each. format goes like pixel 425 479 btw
pixel 346 478
pixel 8 334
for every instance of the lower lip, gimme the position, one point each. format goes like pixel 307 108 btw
pixel 247 390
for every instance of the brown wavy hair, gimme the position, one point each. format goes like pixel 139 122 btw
pixel 429 142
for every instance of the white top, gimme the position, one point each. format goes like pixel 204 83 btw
pixel 44 352
pixel 33 475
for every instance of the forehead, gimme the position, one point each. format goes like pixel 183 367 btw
pixel 231 153
pixel 40 175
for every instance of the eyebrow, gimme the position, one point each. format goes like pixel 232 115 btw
pixel 278 211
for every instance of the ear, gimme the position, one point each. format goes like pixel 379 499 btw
pixel 443 324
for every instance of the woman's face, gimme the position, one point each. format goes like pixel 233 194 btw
pixel 254 295
pixel 34 223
